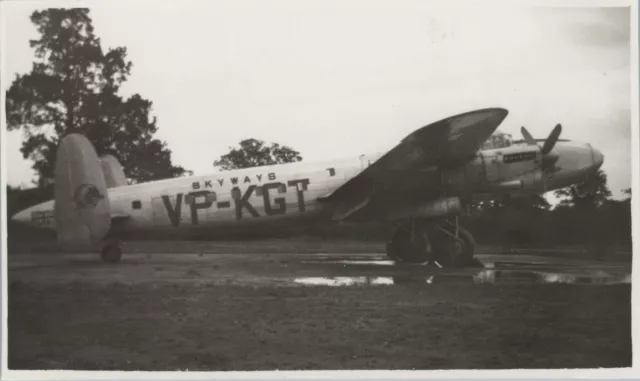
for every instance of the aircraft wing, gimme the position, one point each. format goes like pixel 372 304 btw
pixel 448 142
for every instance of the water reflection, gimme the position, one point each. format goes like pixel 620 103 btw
pixel 485 276
pixel 345 281
pixel 494 276
pixel 379 263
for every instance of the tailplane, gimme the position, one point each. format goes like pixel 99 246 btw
pixel 113 172
pixel 82 207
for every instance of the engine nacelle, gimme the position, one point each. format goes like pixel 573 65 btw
pixel 508 186
pixel 436 208
pixel 534 181
pixel 483 175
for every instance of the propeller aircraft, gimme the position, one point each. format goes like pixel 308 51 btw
pixel 420 186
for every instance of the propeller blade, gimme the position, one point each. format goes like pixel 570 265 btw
pixel 527 137
pixel 548 161
pixel 552 139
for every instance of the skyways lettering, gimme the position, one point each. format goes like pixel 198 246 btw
pixel 204 199
pixel 206 184
pixel 516 157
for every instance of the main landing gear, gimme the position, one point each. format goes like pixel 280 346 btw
pixel 443 243
pixel 111 252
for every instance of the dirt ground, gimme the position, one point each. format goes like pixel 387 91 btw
pixel 272 311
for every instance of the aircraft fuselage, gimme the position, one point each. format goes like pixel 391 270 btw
pixel 291 194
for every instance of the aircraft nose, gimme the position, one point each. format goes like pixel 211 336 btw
pixel 598 158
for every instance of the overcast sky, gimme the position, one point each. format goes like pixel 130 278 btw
pixel 337 79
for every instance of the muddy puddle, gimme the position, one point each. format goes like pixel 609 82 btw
pixel 490 272
pixel 482 277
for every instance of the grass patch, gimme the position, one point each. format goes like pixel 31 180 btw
pixel 204 327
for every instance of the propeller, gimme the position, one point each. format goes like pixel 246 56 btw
pixel 552 139
pixel 549 158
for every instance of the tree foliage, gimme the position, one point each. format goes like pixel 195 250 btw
pixel 534 202
pixel 74 87
pixel 256 153
pixel 523 203
pixel 627 191
pixel 592 192
pixel 19 199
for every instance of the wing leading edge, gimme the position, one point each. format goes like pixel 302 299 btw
pixel 447 142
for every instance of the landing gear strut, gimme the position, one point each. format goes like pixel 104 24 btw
pixel 444 243
pixel 111 252
pixel 454 246
pixel 410 244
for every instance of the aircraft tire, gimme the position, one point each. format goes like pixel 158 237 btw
pixel 111 253
pixel 402 249
pixel 448 250
pixel 455 252
pixel 392 252
pixel 467 258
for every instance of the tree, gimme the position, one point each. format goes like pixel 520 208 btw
pixel 532 202
pixel 73 87
pixel 592 192
pixel 19 199
pixel 255 153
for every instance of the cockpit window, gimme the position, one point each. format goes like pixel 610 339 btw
pixel 498 140
pixel 508 140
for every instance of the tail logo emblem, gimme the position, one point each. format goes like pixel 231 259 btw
pixel 87 196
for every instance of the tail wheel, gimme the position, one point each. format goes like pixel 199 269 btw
pixel 111 253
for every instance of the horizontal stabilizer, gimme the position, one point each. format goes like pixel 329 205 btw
pixel 113 172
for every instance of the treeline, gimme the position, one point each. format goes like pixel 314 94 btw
pixel 606 226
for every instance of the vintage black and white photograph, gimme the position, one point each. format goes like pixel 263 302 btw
pixel 412 185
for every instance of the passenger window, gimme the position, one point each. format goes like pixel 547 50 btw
pixel 235 193
pixel 136 204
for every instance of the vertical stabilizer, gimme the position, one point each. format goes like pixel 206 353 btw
pixel 82 208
